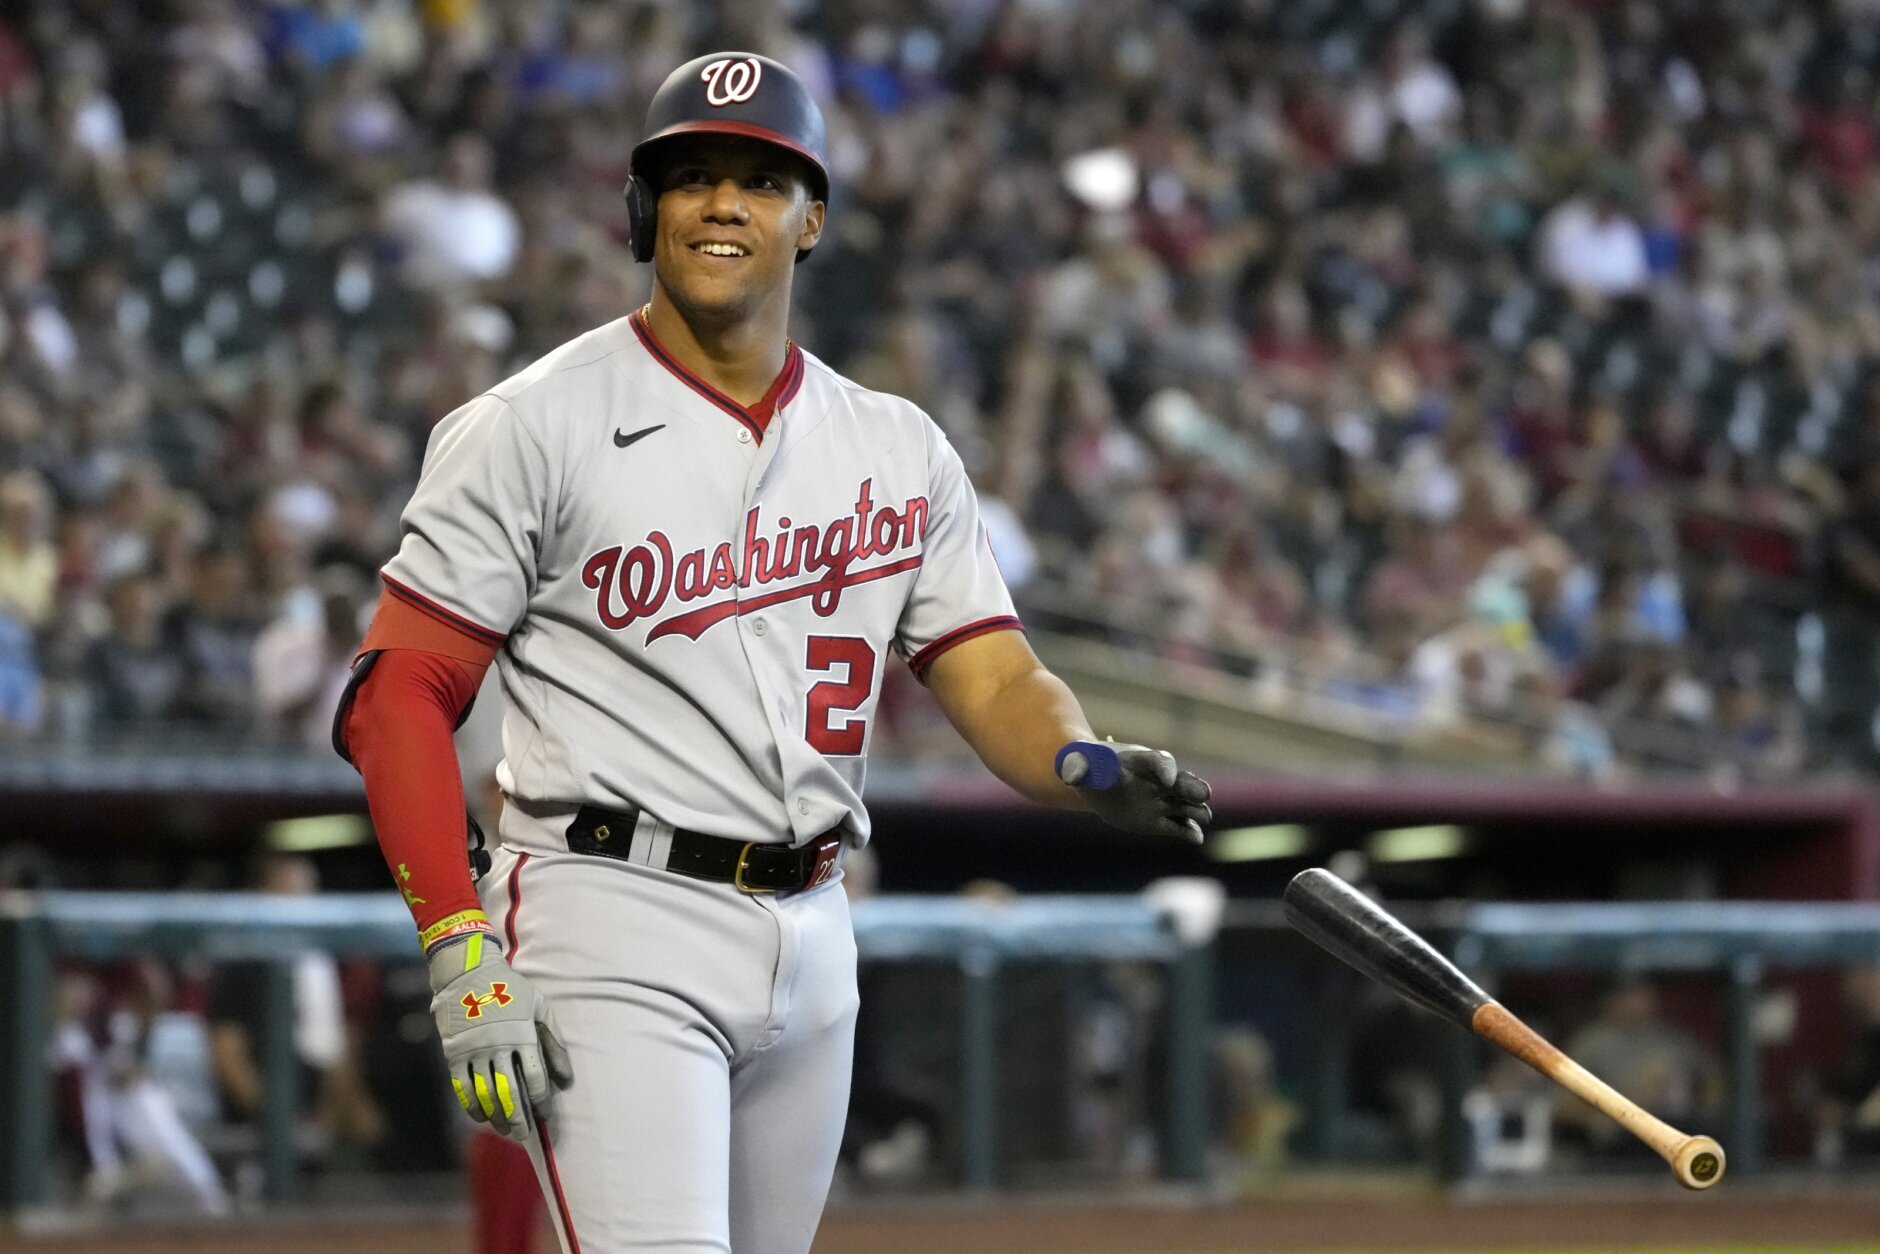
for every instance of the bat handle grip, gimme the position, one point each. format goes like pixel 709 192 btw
pixel 1696 1161
pixel 1089 764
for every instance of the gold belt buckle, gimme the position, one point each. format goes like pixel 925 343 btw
pixel 737 878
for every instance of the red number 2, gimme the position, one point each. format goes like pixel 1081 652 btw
pixel 848 693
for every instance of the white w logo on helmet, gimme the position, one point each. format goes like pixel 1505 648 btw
pixel 731 82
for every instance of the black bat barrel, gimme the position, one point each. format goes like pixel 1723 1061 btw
pixel 1357 930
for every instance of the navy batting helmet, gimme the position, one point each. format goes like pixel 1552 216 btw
pixel 724 93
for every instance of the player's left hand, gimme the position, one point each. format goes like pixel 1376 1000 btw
pixel 1137 788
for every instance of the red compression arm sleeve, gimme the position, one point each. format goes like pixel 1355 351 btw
pixel 398 731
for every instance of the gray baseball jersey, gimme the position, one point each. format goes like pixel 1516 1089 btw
pixel 697 611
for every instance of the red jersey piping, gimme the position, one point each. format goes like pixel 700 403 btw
pixel 419 601
pixel 756 419
pixel 554 1176
pixel 515 901
pixel 960 635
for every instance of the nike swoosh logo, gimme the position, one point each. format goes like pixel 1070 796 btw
pixel 621 439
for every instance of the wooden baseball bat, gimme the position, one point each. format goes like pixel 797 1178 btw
pixel 1355 929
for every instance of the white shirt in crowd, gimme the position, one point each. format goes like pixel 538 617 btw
pixel 1591 251
pixel 452 236
pixel 1424 97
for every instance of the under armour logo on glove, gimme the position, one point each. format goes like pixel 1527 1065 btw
pixel 506 1058
pixel 473 1004
pixel 731 82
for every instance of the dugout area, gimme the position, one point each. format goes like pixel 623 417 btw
pixel 991 1095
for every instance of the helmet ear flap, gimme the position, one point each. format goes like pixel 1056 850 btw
pixel 642 217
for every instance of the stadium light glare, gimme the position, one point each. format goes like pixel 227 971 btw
pixel 1418 844
pixel 1259 844
pixel 320 831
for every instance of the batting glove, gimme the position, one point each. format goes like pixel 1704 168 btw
pixel 499 1035
pixel 1137 788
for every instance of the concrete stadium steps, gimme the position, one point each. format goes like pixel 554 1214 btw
pixel 1204 713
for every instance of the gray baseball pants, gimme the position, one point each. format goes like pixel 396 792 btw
pixel 711 1034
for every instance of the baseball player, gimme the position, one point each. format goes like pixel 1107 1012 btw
pixel 689 547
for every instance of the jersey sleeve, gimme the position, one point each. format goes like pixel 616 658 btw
pixel 958 592
pixel 473 529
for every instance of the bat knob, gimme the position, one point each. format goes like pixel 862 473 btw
pixel 1698 1162
pixel 1089 764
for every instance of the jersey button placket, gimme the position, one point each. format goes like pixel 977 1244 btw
pixel 759 627
pixel 744 436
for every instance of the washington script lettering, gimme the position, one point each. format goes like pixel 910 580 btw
pixel 632 584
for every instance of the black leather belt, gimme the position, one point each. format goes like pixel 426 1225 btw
pixel 753 867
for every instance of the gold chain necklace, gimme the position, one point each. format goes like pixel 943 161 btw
pixel 646 313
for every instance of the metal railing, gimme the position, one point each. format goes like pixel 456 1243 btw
pixel 1735 941
pixel 37 930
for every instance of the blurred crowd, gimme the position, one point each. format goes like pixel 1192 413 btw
pixel 1506 359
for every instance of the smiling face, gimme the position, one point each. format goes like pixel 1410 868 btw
pixel 733 213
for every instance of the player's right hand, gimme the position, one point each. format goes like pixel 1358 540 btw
pixel 1137 788
pixel 499 1035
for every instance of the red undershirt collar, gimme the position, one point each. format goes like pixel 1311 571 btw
pixel 757 417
